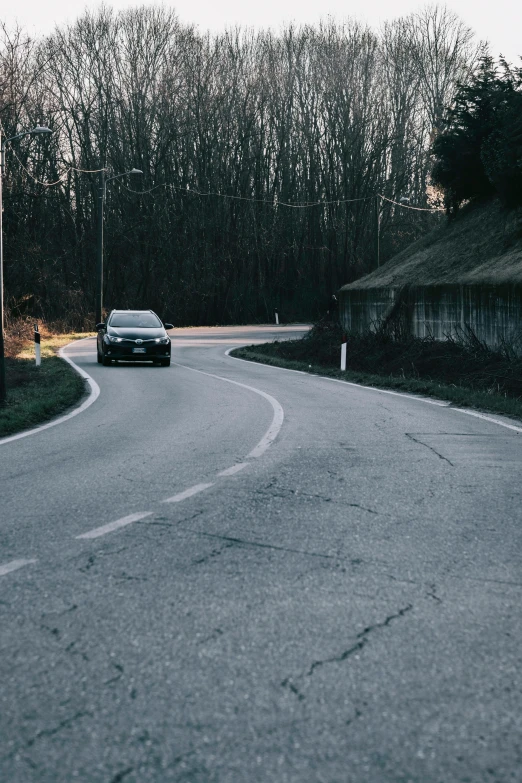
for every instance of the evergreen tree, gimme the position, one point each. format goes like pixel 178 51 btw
pixel 479 154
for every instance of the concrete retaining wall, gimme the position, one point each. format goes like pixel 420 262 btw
pixel 494 313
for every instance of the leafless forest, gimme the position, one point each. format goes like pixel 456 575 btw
pixel 262 155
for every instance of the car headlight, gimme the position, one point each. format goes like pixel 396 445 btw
pixel 114 339
pixel 163 340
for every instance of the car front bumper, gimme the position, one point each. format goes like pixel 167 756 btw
pixel 128 353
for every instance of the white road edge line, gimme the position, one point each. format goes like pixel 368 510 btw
pixel 123 522
pixel 187 493
pixel 93 396
pixel 277 421
pixel 14 565
pixel 478 415
pixel 234 469
pixel 439 403
pixel 419 398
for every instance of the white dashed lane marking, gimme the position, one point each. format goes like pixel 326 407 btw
pixel 234 469
pixel 104 529
pixel 14 565
pixel 188 493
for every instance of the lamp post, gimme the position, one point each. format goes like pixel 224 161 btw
pixel 40 129
pixel 102 190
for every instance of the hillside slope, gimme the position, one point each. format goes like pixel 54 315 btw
pixel 483 245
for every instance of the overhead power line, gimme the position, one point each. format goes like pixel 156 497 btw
pixel 407 206
pixel 272 203
pixel 276 203
pixel 60 178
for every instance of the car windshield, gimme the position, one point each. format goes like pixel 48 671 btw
pixel 136 320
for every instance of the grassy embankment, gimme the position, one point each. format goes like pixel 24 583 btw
pixel 36 394
pixel 465 373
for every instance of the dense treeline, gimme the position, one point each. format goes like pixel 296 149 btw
pixel 262 155
pixel 479 153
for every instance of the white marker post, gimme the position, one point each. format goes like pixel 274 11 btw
pixel 37 351
pixel 343 353
pixel 277 318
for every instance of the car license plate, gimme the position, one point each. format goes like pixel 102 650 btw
pixel 139 350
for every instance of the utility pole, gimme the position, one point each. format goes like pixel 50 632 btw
pixel 2 360
pixel 99 248
pixel 377 230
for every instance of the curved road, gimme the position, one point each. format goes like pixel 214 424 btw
pixel 196 589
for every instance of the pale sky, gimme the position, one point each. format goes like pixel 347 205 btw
pixel 498 21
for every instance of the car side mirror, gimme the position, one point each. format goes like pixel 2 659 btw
pixel 100 326
pixel 169 326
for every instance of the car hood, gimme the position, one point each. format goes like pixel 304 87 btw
pixel 132 333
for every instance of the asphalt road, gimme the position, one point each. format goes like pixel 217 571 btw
pixel 194 589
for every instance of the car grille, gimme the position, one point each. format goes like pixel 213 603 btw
pixel 151 347
pixel 141 342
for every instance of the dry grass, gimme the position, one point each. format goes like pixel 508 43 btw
pixel 19 336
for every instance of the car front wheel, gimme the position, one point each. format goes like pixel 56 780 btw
pixel 165 362
pixel 106 361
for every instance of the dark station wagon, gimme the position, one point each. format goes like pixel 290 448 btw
pixel 133 335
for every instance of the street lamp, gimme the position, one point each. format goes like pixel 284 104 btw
pixel 102 190
pixel 40 129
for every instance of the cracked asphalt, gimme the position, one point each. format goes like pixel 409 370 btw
pixel 345 608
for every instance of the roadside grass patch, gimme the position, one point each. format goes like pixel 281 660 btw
pixel 37 394
pixel 464 372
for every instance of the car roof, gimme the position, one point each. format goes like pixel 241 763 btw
pixel 114 312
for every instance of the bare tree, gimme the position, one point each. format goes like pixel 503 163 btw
pixel 262 154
